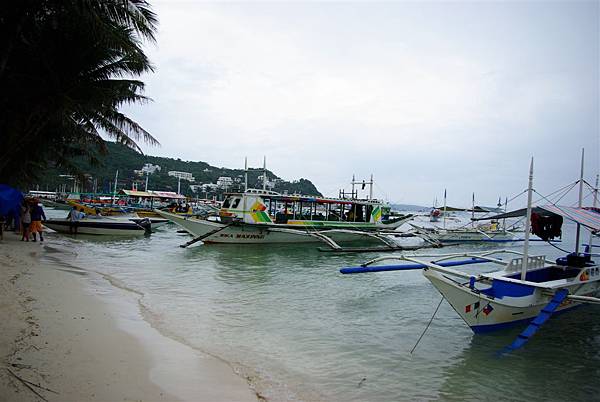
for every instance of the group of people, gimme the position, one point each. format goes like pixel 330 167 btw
pixel 32 215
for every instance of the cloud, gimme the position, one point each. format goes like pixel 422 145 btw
pixel 456 95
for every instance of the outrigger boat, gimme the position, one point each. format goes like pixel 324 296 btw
pixel 263 216
pixel 482 233
pixel 527 289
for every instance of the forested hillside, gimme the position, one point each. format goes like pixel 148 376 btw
pixel 119 157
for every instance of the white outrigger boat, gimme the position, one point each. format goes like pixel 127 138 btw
pixel 492 232
pixel 527 289
pixel 262 216
pixel 481 234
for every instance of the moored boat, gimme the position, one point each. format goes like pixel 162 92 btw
pixel 262 216
pixel 528 289
pixel 99 226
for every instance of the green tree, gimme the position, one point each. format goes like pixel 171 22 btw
pixel 66 66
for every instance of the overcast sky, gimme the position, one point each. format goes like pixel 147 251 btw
pixel 424 96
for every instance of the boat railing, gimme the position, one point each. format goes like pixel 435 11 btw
pixel 533 262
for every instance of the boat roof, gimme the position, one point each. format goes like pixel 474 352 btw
pixel 305 198
pixel 586 216
pixel 152 194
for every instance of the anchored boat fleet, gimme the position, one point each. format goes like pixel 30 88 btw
pixel 527 289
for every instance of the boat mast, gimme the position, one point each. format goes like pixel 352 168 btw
pixel 580 203
pixel 505 209
pixel 371 187
pixel 245 174
pixel 527 224
pixel 115 190
pixel 444 225
pixel 264 173
pixel 353 183
pixel 245 188
pixel 595 203
pixel 473 212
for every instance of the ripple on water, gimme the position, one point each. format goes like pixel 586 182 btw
pixel 311 333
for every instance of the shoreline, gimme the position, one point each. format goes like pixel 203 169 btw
pixel 73 334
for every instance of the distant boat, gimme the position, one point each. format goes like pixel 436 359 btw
pixel 434 215
pixel 481 234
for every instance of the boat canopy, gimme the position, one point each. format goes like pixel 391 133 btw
pixel 152 194
pixel 304 198
pixel 586 216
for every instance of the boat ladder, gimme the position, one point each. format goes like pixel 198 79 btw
pixel 538 321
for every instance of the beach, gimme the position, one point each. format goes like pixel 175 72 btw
pixel 63 339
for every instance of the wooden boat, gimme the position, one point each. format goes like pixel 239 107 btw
pixel 263 216
pixel 528 289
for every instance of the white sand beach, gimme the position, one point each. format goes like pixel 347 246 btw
pixel 63 340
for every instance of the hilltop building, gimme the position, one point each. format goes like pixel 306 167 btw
pixel 148 168
pixel 181 175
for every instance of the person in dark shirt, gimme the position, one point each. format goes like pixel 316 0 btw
pixel 37 214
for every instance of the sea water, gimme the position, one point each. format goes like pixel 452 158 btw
pixel 284 317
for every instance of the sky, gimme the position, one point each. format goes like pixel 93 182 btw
pixel 426 96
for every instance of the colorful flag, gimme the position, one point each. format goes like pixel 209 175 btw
pixel 472 307
pixel 488 309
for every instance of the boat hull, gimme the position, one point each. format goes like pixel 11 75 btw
pixel 257 234
pixel 454 237
pixel 486 314
pixel 96 228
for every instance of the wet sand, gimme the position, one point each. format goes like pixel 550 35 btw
pixel 62 339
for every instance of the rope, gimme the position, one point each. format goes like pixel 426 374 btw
pixel 558 248
pixel 427 327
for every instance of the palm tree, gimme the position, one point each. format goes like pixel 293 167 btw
pixel 66 66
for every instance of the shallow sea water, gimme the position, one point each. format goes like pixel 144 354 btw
pixel 285 317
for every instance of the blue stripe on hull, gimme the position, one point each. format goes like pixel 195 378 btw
pixel 484 329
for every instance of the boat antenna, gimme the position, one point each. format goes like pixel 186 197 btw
pixel 444 209
pixel 527 223
pixel 595 203
pixel 371 188
pixel 353 183
pixel 580 203
pixel 245 174
pixel 264 173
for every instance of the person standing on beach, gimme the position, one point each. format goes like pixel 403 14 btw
pixel 37 214
pixel 73 218
pixel 25 220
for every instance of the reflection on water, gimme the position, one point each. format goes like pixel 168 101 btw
pixel 311 333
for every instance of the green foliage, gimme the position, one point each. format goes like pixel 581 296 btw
pixel 126 160
pixel 66 66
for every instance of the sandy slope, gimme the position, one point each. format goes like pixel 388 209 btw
pixel 81 346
